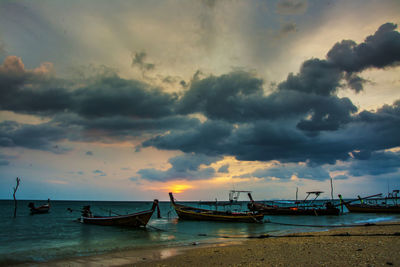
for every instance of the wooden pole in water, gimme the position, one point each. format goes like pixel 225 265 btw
pixel 331 189
pixel 341 202
pixel 15 200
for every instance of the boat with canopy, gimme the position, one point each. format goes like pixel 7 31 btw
pixel 192 213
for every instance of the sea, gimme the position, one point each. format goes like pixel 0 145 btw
pixel 59 235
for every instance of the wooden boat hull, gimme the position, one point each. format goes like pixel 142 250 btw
pixel 307 212
pixel 359 208
pixel 218 216
pixel 40 210
pixel 271 210
pixel 130 220
pixel 197 214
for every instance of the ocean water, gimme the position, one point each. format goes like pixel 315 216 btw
pixel 58 235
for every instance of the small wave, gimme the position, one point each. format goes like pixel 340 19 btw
pixel 374 220
pixel 160 221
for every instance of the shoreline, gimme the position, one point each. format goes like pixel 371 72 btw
pixel 129 257
pixel 365 245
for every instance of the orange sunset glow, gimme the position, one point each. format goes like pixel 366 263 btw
pixel 179 188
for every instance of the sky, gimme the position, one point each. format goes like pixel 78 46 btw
pixel 129 100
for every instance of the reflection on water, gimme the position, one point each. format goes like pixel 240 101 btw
pixel 85 236
pixel 169 252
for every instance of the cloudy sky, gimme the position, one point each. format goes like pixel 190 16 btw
pixel 128 100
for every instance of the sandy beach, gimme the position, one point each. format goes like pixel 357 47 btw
pixel 375 245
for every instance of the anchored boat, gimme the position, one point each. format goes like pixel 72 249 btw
pixel 41 209
pixel 301 208
pixel 137 219
pixel 192 213
pixel 387 204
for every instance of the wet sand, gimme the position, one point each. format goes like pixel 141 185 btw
pixel 359 246
pixel 377 245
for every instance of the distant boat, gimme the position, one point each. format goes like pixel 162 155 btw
pixel 137 219
pixel 41 209
pixel 388 204
pixel 197 214
pixel 301 208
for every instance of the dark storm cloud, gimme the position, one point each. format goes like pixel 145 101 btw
pixel 207 138
pixel 239 97
pixel 355 82
pixel 107 106
pixel 257 141
pixel 379 50
pixel 111 96
pixel 306 100
pixel 287 171
pixel 74 128
pixel 266 141
pixel 120 128
pixel 42 137
pixel 33 92
pixel 183 167
pixel 344 61
pixel 301 120
pixel 42 101
pixel 225 97
pixel 283 141
pixel 376 130
pixel 328 114
pixel 316 76
pixel 376 164
pixel 13 75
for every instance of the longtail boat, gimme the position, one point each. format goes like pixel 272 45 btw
pixel 197 214
pixel 137 219
pixel 301 208
pixel 41 209
pixel 388 204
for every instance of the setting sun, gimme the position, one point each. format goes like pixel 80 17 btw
pixel 179 188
